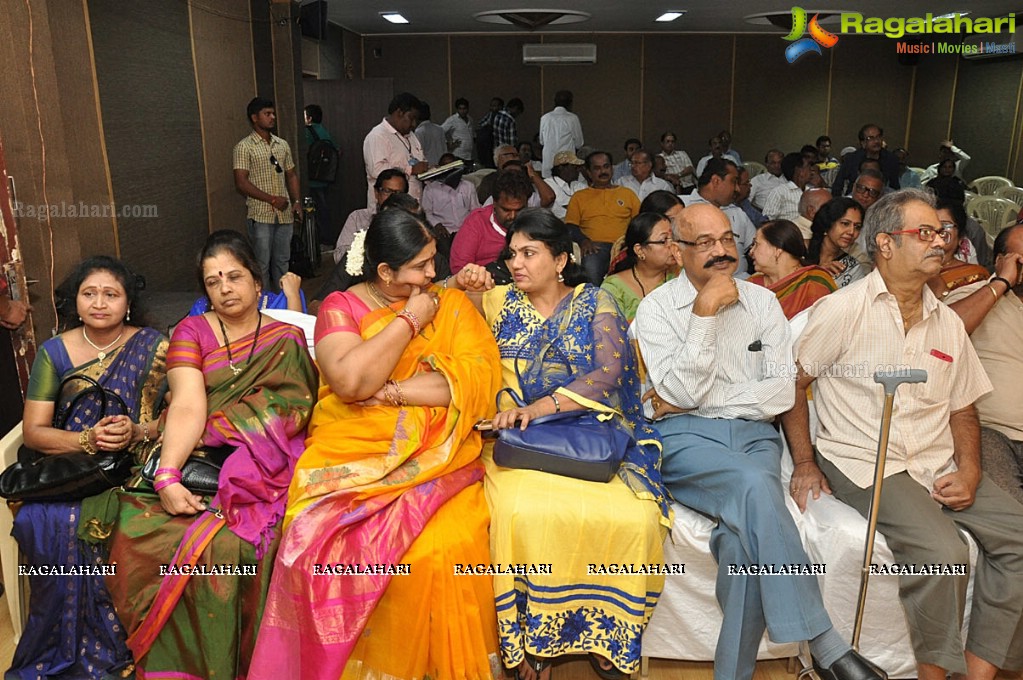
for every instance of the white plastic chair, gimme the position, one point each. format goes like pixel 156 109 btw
pixel 1014 194
pixel 993 213
pixel 986 186
pixel 9 554
pixel 754 168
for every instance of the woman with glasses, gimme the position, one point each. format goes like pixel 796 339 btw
pixel 956 270
pixel 647 263
pixel 777 253
pixel 835 228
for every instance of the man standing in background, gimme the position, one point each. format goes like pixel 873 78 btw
pixel 431 136
pixel 391 144
pixel 265 174
pixel 458 132
pixel 560 130
pixel 315 132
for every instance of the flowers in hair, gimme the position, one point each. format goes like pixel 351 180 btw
pixel 356 254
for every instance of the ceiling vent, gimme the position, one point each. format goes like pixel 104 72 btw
pixel 552 53
pixel 532 19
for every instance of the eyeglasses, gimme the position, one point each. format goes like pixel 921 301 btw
pixel 705 244
pixel 860 189
pixel 873 138
pixel 927 234
pixel 640 162
pixel 276 164
pixel 660 242
pixel 389 192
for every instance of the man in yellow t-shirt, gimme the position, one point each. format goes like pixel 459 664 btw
pixel 602 212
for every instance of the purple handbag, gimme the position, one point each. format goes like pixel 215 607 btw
pixel 586 445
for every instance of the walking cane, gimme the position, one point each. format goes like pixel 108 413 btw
pixel 891 381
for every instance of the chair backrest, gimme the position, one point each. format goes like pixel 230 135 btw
pixel 1014 194
pixel 986 186
pixel 616 248
pixel 993 213
pixel 754 168
pixel 17 602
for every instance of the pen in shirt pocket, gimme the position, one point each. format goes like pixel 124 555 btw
pixel 756 346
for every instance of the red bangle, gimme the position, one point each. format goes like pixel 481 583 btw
pixel 412 326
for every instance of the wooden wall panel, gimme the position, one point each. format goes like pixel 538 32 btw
pixel 222 52
pixel 766 116
pixel 932 108
pixel 52 137
pixel 416 64
pixel 985 110
pixel 686 89
pixel 483 67
pixel 868 85
pixel 154 143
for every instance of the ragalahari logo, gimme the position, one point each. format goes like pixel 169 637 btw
pixel 818 36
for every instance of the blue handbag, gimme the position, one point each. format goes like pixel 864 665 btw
pixel 587 445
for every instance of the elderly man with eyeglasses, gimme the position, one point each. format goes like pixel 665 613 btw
pixel 265 174
pixel 933 485
pixel 718 353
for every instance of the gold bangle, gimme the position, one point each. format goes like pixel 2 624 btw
pixel 993 292
pixel 85 443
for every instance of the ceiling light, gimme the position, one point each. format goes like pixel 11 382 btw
pixel 394 17
pixel 670 16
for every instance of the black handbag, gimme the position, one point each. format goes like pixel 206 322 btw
pixel 201 472
pixel 68 476
pixel 587 445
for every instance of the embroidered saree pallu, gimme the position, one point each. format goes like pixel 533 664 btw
pixel 386 485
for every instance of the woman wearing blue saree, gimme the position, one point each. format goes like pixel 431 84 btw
pixel 72 630
pixel 564 347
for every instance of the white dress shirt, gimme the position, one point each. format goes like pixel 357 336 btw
pixel 460 131
pixel 783 202
pixel 649 185
pixel 762 185
pixel 563 194
pixel 736 364
pixel 560 130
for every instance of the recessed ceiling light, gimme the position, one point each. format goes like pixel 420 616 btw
pixel 394 17
pixel 670 16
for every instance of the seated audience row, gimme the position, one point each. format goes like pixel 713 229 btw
pixel 387 468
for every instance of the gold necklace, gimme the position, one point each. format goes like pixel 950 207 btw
pixel 377 296
pixel 102 351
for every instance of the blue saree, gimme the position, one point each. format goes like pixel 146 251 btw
pixel 72 630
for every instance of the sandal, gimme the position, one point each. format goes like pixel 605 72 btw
pixel 606 673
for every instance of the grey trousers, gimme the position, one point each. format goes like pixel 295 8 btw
pixel 1002 460
pixel 920 531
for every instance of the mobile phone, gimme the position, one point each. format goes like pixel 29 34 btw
pixel 484 426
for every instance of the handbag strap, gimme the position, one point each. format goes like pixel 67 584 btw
pixel 521 402
pixel 94 388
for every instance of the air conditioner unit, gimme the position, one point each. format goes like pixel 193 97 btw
pixel 551 53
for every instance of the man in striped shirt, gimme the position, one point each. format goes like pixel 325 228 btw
pixel 719 356
pixel 934 486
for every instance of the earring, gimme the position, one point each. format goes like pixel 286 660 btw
pixel 561 277
pixel 127 317
pixel 642 256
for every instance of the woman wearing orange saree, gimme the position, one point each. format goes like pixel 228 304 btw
pixel 391 476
